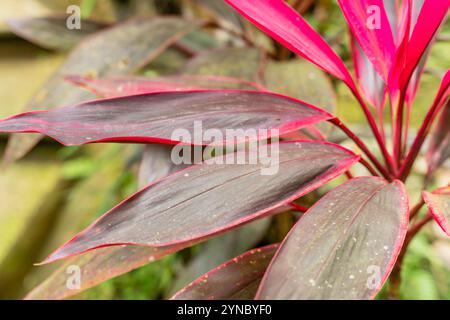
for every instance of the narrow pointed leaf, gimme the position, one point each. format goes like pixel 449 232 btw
pixel 237 279
pixel 155 117
pixel 97 267
pixel 438 203
pixel 52 32
pixel 344 247
pixel 284 24
pixel 211 198
pixel 431 15
pixel 439 148
pixel 126 86
pixel 375 40
pixel 118 50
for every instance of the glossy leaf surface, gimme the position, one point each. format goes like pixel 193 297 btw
pixel 211 198
pixel 155 117
pixel 438 203
pixel 344 247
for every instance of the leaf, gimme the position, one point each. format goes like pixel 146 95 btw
pixel 221 249
pixel 344 247
pixel 284 24
pixel 243 63
pixel 52 32
pixel 115 51
pixel 431 15
pixel 375 40
pixel 156 117
pixel 439 147
pixel 236 279
pixel 369 81
pixel 97 267
pixel 438 202
pixel 212 198
pixel 125 86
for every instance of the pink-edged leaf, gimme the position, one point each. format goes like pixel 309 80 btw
pixel 344 247
pixel 431 15
pixel 237 279
pixel 156 117
pixel 375 40
pixel 372 85
pixel 97 267
pixel 126 86
pixel 439 148
pixel 284 24
pixel 438 202
pixel 211 198
pixel 52 32
pixel 118 50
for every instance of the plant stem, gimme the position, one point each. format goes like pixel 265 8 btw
pixel 363 147
pixel 398 129
pixel 395 279
pixel 373 125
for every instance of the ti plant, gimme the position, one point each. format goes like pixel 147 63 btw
pixel 349 242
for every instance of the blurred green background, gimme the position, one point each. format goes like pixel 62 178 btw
pixel 55 191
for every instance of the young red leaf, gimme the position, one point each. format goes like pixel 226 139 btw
pixel 438 203
pixel 52 32
pixel 374 37
pixel 431 15
pixel 284 24
pixel 115 51
pixel 237 279
pixel 439 148
pixel 211 198
pixel 126 86
pixel 344 247
pixel 155 117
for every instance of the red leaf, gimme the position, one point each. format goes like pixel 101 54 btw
pixel 236 279
pixel 114 51
pixel 376 41
pixel 212 198
pixel 284 24
pixel 431 15
pixel 438 203
pixel 344 247
pixel 126 86
pixel 154 117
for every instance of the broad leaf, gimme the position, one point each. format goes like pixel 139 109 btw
pixel 116 51
pixel 439 148
pixel 156 117
pixel 211 198
pixel 344 247
pixel 52 32
pixel 236 279
pixel 369 24
pixel 438 203
pixel 284 24
pixel 126 86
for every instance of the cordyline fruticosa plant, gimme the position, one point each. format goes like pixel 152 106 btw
pixel 349 242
